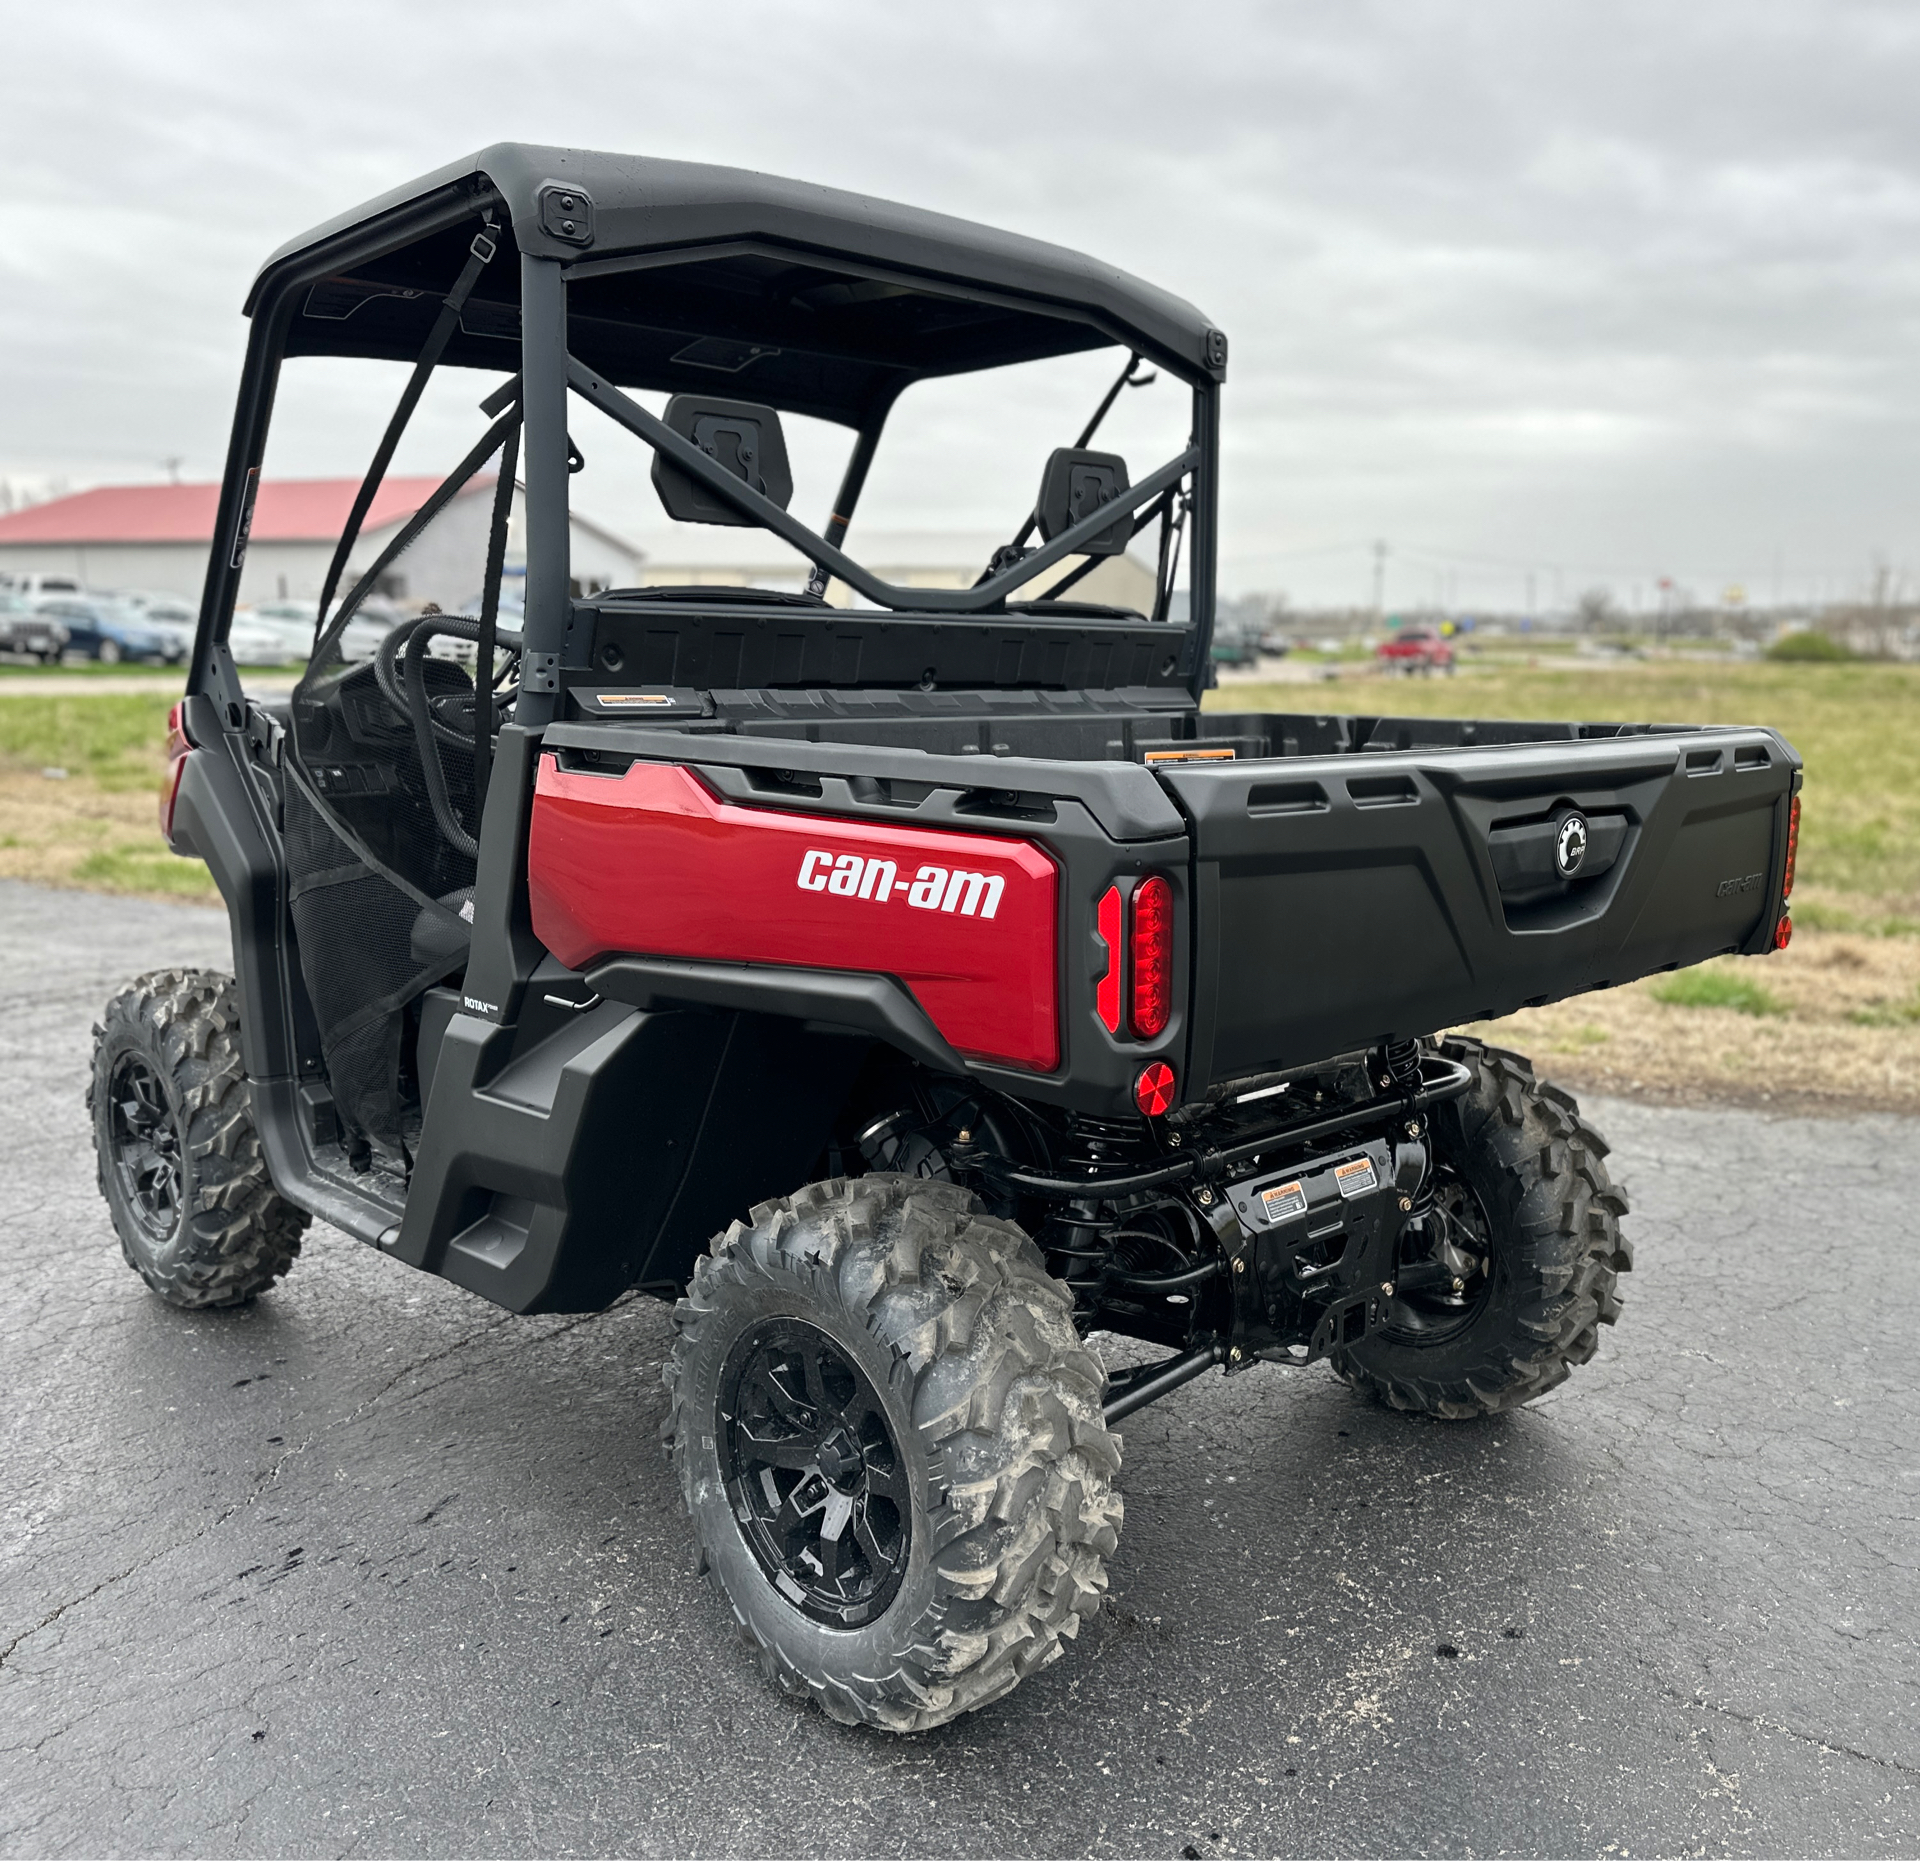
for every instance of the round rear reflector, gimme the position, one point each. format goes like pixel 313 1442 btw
pixel 1154 1090
pixel 1783 933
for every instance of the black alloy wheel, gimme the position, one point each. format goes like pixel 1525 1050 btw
pixel 179 1159
pixel 1520 1261
pixel 145 1137
pixel 889 1437
pixel 813 1472
pixel 1438 1295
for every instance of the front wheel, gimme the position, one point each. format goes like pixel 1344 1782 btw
pixel 108 652
pixel 889 1437
pixel 1522 1256
pixel 179 1159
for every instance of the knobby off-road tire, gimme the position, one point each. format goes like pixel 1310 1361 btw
pixel 966 1349
pixel 1520 1147
pixel 179 1159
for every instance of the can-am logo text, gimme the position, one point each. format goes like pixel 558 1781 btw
pixel 932 888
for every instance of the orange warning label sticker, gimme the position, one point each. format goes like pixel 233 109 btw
pixel 1355 1177
pixel 1283 1201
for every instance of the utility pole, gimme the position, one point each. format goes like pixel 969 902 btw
pixel 1379 582
pixel 1533 612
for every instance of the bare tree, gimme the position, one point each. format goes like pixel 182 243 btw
pixel 1595 611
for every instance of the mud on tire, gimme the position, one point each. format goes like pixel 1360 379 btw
pixel 947 1318
pixel 178 1156
pixel 1521 1147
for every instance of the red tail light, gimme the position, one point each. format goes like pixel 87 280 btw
pixel 1150 950
pixel 1106 993
pixel 1793 845
pixel 179 747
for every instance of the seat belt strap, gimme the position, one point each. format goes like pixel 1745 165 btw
pixel 489 620
pixel 479 254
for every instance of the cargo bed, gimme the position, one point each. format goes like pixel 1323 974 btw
pixel 1343 880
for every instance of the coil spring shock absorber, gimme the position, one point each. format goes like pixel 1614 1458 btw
pixel 1077 1238
pixel 1076 1246
pixel 1399 1066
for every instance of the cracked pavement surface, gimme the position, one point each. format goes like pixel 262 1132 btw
pixel 373 1568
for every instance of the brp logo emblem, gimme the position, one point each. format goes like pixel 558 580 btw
pixel 1570 849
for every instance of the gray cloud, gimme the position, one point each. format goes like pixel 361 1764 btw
pixel 1623 290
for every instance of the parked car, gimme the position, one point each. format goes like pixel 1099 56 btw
pixel 23 629
pixel 31 586
pixel 509 617
pixel 256 639
pixel 1234 649
pixel 100 629
pixel 1416 649
pixel 374 621
pixel 170 615
pixel 175 635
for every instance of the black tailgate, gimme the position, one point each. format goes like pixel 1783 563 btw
pixel 1342 900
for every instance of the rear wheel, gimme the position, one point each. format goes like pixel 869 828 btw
pixel 108 652
pixel 889 1438
pixel 179 1160
pixel 1525 1258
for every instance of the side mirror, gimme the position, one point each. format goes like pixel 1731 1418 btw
pixel 743 437
pixel 1074 485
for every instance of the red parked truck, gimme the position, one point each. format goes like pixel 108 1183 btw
pixel 1415 649
pixel 912 984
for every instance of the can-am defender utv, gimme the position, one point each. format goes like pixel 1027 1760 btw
pixel 909 981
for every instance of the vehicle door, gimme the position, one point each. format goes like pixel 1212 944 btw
pixel 83 629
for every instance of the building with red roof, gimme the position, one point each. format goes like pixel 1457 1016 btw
pixel 157 537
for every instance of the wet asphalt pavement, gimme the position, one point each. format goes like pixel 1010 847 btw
pixel 374 1568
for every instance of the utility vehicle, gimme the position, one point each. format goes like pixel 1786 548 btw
pixel 974 1038
pixel 25 630
pixel 1415 649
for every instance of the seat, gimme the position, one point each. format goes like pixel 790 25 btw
pixel 437 943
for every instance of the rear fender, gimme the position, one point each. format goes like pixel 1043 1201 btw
pixel 606 1155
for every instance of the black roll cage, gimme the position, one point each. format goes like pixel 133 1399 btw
pixel 549 372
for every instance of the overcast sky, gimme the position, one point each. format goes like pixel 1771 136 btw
pixel 1602 292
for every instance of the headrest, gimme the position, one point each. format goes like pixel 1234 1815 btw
pixel 743 437
pixel 1074 485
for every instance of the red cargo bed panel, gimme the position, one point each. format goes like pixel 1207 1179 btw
pixel 652 863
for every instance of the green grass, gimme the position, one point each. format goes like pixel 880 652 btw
pixel 92 668
pixel 1807 648
pixel 1715 988
pixel 127 869
pixel 117 738
pixel 1857 725
pixel 1892 1014
pixel 1815 914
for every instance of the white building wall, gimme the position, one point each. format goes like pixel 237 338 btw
pixel 165 568
pixel 446 564
pixel 276 571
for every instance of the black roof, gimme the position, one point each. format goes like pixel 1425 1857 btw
pixel 746 284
